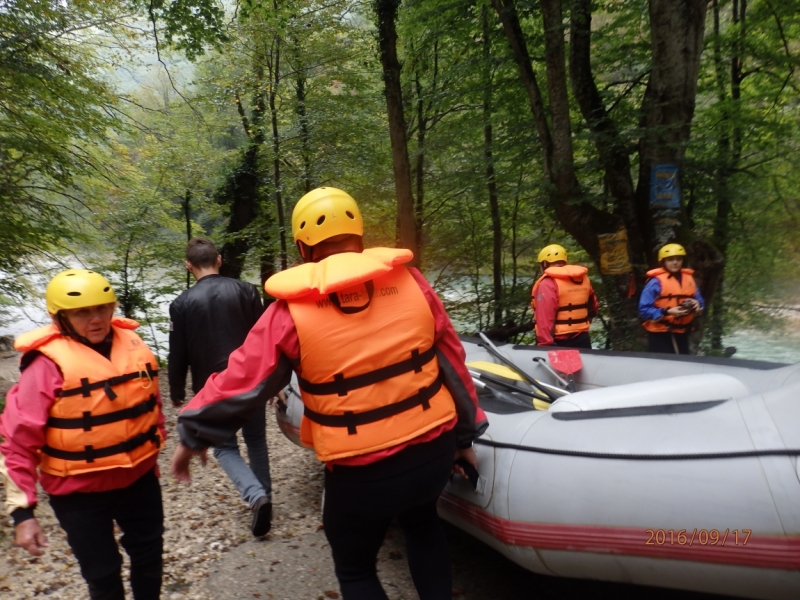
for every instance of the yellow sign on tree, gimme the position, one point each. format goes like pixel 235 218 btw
pixel 614 253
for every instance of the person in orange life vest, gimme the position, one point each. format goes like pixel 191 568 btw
pixel 85 421
pixel 670 302
pixel 563 301
pixel 388 400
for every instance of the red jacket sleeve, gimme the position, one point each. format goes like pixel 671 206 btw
pixel 22 424
pixel 256 372
pixel 546 309
pixel 472 421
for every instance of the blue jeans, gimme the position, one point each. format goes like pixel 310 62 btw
pixel 254 481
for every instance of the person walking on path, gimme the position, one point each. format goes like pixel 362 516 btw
pixel 563 301
pixel 208 322
pixel 85 421
pixel 389 403
pixel 670 302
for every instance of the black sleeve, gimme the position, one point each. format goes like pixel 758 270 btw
pixel 257 303
pixel 178 354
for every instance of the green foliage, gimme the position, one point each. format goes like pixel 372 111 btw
pixel 53 108
pixel 289 96
pixel 188 25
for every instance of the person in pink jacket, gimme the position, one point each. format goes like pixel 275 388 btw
pixel 85 421
pixel 388 402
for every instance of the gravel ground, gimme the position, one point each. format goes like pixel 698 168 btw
pixel 210 553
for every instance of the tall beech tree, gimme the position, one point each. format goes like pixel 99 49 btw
pixel 386 15
pixel 667 106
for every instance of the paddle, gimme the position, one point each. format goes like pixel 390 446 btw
pixel 510 398
pixel 543 362
pixel 509 386
pixel 567 362
pixel 506 373
pixel 487 343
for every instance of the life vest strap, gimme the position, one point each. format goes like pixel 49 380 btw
pixel 87 388
pixel 91 453
pixel 352 419
pixel 675 296
pixel 341 385
pixel 571 321
pixel 88 421
pixel 570 307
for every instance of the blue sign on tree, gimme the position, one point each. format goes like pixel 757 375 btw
pixel 665 202
pixel 664 189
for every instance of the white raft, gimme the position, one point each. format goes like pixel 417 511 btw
pixel 607 483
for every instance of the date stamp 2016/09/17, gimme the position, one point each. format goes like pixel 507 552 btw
pixel 702 537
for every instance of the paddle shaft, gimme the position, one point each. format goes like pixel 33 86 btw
pixel 502 396
pixel 496 353
pixel 510 386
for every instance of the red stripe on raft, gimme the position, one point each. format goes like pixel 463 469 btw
pixel 760 551
pixel 289 430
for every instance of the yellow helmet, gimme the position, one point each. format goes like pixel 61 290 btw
pixel 77 288
pixel 323 213
pixel 670 250
pixel 552 253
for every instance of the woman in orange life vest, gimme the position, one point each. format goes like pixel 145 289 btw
pixel 563 301
pixel 388 400
pixel 669 303
pixel 85 420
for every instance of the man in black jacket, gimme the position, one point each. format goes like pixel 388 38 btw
pixel 208 322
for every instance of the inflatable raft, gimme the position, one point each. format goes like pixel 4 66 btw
pixel 669 471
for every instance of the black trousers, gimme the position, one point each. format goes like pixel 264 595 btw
pixel 88 519
pixel 360 503
pixel 582 340
pixel 663 342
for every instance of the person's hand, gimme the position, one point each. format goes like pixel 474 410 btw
pixel 180 462
pixel 694 306
pixel 281 397
pixel 467 454
pixel 677 311
pixel 29 535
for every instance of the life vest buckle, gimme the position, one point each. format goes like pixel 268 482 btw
pixel 144 373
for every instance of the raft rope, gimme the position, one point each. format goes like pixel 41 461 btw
pixel 611 455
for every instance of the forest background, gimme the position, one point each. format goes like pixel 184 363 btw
pixel 473 132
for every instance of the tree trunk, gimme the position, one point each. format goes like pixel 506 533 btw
pixel 302 119
pixel 386 11
pixel 676 33
pixel 729 151
pixel 241 191
pixel 276 149
pixel 491 183
pixel 419 168
pixel 187 215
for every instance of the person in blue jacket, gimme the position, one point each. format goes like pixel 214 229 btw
pixel 670 302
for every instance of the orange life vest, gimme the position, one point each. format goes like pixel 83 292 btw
pixel 368 370
pixel 106 414
pixel 574 290
pixel 673 292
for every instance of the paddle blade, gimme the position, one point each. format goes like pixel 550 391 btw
pixel 495 369
pixel 565 361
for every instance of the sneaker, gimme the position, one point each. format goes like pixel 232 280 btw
pixel 262 517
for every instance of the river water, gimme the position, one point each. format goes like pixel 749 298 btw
pixel 775 345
